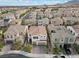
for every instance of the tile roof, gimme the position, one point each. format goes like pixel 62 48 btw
pixel 36 30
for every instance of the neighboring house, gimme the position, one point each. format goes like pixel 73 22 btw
pixel 30 15
pixel 74 30
pixel 16 21
pixel 47 13
pixel 29 19
pixel 56 21
pixel 19 12
pixel 60 36
pixel 70 20
pixel 29 22
pixel 39 15
pixel 15 33
pixel 43 21
pixel 4 22
pixel 37 35
pixel 9 16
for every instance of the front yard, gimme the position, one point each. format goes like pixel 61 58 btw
pixel 56 50
pixel 1 45
pixel 76 48
pixel 27 48
pixel 18 46
pixel 2 30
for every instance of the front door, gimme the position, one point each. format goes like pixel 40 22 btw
pixel 30 41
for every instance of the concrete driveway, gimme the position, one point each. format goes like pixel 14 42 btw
pixel 6 48
pixel 39 49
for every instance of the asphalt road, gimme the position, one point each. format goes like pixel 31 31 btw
pixel 13 56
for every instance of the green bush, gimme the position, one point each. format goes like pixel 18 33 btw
pixel 1 45
pixel 27 48
pixel 56 50
pixel 17 46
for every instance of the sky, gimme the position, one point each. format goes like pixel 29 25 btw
pixel 29 2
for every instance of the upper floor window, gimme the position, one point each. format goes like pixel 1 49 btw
pixel 29 34
pixel 53 31
pixel 35 37
pixel 62 40
pixel 11 36
pixel 7 36
pixel 71 40
pixel 73 33
pixel 20 33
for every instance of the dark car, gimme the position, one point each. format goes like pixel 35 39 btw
pixel 62 56
pixel 13 56
pixel 68 51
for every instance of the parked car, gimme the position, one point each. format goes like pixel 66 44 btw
pixel 68 51
pixel 62 56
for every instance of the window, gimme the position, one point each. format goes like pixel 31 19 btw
pixel 73 33
pixel 15 34
pixel 7 36
pixel 40 21
pixel 58 28
pixel 62 40
pixel 53 31
pixel 71 40
pixel 35 37
pixel 20 33
pixel 66 40
pixel 11 36
pixel 44 36
pixel 55 39
pixel 29 34
pixel 54 21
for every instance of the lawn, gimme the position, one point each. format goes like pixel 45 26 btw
pixel 18 46
pixel 1 45
pixel 27 48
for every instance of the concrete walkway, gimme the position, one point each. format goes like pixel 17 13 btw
pixel 6 48
pixel 39 50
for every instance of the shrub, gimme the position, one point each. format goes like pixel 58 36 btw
pixel 27 48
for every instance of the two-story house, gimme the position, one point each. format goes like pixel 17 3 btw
pixel 60 36
pixel 37 35
pixel 15 33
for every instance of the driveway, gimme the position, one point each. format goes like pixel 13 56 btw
pixel 74 52
pixel 39 49
pixel 6 48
